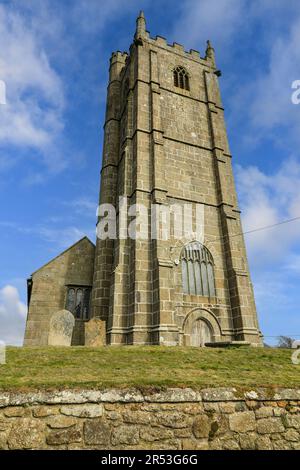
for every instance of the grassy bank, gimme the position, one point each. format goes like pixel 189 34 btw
pixel 32 368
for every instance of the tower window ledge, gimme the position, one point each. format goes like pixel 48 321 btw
pixel 196 299
pixel 181 91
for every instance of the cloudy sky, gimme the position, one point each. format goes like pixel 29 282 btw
pixel 54 61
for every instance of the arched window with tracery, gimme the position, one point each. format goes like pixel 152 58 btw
pixel 197 270
pixel 181 78
pixel 78 301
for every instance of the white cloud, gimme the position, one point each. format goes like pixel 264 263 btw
pixel 42 46
pixel 268 199
pixel 33 115
pixel 218 20
pixel 261 97
pixel 272 105
pixel 93 15
pixel 12 316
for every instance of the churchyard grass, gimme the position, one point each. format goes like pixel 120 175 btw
pixel 147 367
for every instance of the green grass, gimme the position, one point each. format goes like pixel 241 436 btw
pixel 143 367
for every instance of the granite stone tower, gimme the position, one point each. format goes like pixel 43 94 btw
pixel 165 145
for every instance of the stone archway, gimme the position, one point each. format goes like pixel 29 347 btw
pixel 200 327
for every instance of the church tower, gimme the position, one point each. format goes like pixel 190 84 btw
pixel 165 146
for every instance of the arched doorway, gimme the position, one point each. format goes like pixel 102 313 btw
pixel 199 327
pixel 201 333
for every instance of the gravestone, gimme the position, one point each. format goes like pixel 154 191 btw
pixel 61 328
pixel 2 353
pixel 95 333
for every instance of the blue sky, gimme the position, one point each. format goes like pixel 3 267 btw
pixel 54 60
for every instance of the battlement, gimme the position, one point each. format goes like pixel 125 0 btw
pixel 118 56
pixel 193 54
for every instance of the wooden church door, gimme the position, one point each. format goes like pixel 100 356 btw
pixel 201 334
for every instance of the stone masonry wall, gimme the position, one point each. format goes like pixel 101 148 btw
pixel 180 419
pixel 49 288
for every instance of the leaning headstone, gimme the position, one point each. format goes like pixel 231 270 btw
pixel 95 333
pixel 61 328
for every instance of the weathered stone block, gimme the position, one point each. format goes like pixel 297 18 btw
pixel 252 404
pixel 240 406
pixel 264 412
pixel 291 421
pixel 96 431
pixel 27 433
pixel 215 444
pixel 264 443
pixel 282 445
pixel 279 411
pixel 193 444
pixel 173 444
pixel 183 432
pixel 230 444
pixel 201 426
pixel 211 407
pixel 248 441
pixel 3 440
pixel 44 411
pixel 137 417
pixel 14 412
pixel 227 407
pixel 242 421
pixel 291 435
pixel 172 419
pixel 64 436
pixel 113 415
pixel 269 425
pixel 155 434
pixel 128 435
pixel 5 425
pixel 60 422
pixel 83 411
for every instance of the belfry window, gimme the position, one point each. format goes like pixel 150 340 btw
pixel 197 270
pixel 181 78
pixel 78 301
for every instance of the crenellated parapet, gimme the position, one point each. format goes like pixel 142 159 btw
pixel 179 49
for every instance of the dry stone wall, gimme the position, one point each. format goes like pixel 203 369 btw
pixel 180 419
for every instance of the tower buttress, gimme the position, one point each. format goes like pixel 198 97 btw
pixel 109 175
